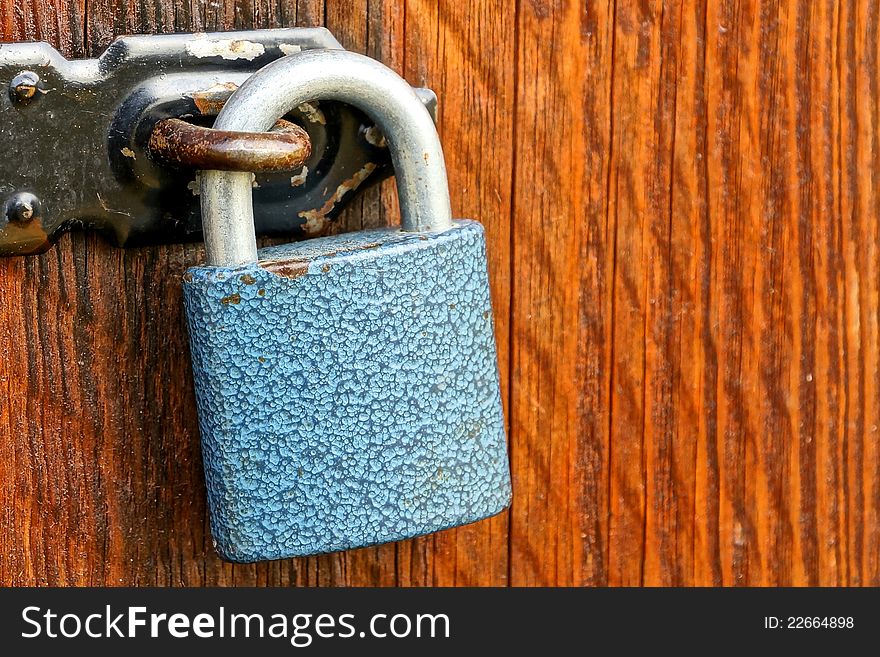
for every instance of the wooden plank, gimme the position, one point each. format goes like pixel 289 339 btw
pixel 672 221
pixel 859 166
pixel 697 381
pixel 737 309
pixel 563 262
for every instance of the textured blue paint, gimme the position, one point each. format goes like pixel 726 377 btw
pixel 353 400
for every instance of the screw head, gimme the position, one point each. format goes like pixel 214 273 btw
pixel 22 207
pixel 23 87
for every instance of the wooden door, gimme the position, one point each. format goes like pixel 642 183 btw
pixel 682 210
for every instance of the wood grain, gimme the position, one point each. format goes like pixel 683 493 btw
pixel 680 203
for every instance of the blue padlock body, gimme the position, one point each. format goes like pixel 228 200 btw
pixel 348 392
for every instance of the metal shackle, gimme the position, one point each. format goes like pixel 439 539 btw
pixel 283 85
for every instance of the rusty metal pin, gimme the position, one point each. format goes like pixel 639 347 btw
pixel 285 147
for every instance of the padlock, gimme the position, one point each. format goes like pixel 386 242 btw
pixel 347 385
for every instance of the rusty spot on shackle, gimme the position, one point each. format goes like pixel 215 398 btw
pixel 183 144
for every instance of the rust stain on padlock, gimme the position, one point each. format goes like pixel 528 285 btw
pixel 286 268
pixel 296 267
pixel 232 299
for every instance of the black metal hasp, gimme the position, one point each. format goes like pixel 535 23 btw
pixel 88 143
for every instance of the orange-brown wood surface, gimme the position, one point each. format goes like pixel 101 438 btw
pixel 680 199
